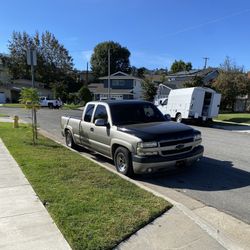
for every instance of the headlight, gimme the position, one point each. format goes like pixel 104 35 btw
pixel 143 148
pixel 197 137
pixel 151 144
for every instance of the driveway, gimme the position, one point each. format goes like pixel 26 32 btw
pixel 221 179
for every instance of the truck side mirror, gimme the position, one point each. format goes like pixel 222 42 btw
pixel 102 123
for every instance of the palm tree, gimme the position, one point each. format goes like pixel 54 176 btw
pixel 30 98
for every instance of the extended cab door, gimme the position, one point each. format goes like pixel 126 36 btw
pixel 86 124
pixel 99 136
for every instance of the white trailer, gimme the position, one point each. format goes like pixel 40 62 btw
pixel 191 103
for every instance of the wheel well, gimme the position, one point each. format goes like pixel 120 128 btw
pixel 115 146
pixel 179 113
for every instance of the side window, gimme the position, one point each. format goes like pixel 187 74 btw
pixel 89 112
pixel 100 113
pixel 148 111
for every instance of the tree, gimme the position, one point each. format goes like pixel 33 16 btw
pixel 119 59
pixel 180 65
pixel 231 82
pixel 84 95
pixel 197 81
pixel 149 90
pixel 30 98
pixel 54 64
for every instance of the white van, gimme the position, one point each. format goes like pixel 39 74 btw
pixel 191 103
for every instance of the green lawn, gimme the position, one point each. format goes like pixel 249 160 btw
pixel 13 105
pixel 93 208
pixel 71 106
pixel 3 115
pixel 235 117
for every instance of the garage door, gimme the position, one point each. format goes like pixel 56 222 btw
pixel 2 97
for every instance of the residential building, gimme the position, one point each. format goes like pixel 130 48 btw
pixel 122 87
pixel 178 80
pixel 10 91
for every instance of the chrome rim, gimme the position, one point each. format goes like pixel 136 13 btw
pixel 121 162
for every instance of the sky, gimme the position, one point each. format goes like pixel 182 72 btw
pixel 155 32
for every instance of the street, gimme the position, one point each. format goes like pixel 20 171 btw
pixel 220 180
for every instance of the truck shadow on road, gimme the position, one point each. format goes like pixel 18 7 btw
pixel 206 175
pixel 220 125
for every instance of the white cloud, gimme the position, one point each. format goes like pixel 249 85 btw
pixel 151 61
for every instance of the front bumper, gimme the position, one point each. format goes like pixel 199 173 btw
pixel 147 164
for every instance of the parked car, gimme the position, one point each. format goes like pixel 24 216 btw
pixel 135 135
pixel 46 102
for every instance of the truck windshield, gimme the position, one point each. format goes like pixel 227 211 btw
pixel 124 114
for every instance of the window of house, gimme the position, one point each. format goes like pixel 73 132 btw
pixel 118 83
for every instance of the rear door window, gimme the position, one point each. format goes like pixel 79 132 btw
pixel 89 112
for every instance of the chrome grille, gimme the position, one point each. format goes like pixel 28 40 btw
pixel 176 142
pixel 175 151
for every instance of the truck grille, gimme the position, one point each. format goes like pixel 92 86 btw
pixel 175 151
pixel 177 146
pixel 176 142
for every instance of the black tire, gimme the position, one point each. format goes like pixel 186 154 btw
pixel 69 140
pixel 123 163
pixel 178 118
pixel 50 105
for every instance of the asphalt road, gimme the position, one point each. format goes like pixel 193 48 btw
pixel 221 179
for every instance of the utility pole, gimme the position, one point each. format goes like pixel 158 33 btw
pixel 206 59
pixel 109 74
pixel 32 61
pixel 87 75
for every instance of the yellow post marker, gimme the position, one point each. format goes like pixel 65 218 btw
pixel 16 118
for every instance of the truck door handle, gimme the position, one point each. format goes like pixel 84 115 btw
pixel 92 129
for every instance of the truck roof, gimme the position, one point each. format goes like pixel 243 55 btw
pixel 115 102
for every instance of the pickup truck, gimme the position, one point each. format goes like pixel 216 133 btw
pixel 135 135
pixel 46 102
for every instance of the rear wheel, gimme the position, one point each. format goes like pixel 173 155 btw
pixel 178 117
pixel 123 164
pixel 69 140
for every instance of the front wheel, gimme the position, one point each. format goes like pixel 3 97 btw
pixel 69 140
pixel 123 164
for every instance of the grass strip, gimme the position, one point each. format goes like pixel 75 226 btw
pixel 235 117
pixel 13 105
pixel 93 208
pixel 71 106
pixel 3 115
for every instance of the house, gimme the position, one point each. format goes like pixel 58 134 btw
pixel 10 91
pixel 122 87
pixel 178 80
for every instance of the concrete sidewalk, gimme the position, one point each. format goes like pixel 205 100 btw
pixel 24 222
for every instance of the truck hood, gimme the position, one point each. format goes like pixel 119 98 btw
pixel 158 131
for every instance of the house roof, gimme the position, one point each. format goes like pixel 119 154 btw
pixel 176 81
pixel 98 88
pixel 120 75
pixel 28 83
